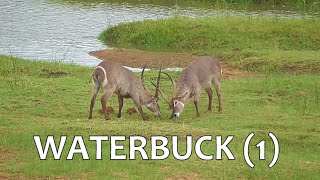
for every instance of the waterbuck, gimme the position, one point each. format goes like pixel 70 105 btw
pixel 200 73
pixel 114 78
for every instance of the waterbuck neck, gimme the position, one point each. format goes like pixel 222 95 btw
pixel 145 96
pixel 183 90
pixel 186 83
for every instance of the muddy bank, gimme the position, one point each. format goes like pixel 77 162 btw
pixel 137 58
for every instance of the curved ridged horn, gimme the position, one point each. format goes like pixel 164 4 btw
pixel 142 76
pixel 172 81
pixel 158 84
pixel 163 95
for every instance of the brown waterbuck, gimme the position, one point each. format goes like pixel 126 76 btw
pixel 200 73
pixel 114 78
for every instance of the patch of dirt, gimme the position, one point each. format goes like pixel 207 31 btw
pixel 3 176
pixel 8 154
pixel 302 67
pixel 254 65
pixel 122 175
pixel 110 110
pixel 131 111
pixel 188 176
pixel 165 168
pixel 137 58
pixel 52 73
pixel 298 67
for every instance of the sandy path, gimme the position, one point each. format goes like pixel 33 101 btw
pixel 136 58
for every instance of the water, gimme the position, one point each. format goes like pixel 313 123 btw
pixel 67 32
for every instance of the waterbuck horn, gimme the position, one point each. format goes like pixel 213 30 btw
pixel 163 95
pixel 142 76
pixel 173 82
pixel 158 84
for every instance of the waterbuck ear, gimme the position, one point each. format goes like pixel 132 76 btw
pixel 175 103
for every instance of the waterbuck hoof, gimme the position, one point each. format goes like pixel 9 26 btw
pixel 145 118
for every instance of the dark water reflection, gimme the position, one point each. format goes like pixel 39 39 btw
pixel 67 30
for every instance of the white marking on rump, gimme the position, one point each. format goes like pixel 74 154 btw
pixel 105 81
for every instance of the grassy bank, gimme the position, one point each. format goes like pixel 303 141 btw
pixel 52 99
pixel 267 44
pixel 310 5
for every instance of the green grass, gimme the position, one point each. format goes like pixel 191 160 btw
pixel 43 99
pixel 283 44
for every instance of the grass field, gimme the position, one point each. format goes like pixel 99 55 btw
pixel 43 99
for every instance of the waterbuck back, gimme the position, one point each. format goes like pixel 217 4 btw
pixel 114 78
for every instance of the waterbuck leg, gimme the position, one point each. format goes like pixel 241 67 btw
pixel 209 92
pixel 137 103
pixel 120 100
pixel 94 96
pixel 104 100
pixel 217 87
pixel 196 102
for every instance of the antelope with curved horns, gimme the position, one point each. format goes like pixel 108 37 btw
pixel 199 74
pixel 114 78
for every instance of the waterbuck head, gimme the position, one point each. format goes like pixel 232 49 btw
pixel 176 104
pixel 151 101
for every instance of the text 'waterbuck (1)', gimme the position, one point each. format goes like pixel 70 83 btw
pixel 114 78
pixel 200 73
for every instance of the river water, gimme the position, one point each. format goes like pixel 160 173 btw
pixel 67 32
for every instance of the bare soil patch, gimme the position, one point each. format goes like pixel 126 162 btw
pixel 188 176
pixel 6 154
pixel 137 58
pixel 52 73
